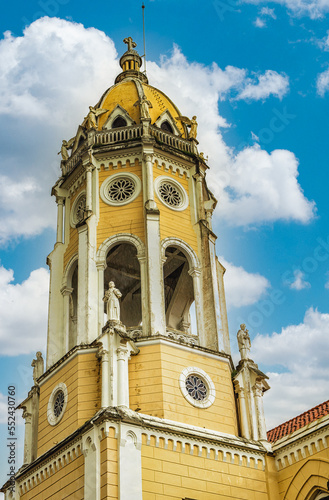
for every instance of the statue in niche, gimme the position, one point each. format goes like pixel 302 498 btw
pixel 90 121
pixel 144 104
pixel 244 342
pixel 66 145
pixel 111 297
pixel 38 367
pixel 190 123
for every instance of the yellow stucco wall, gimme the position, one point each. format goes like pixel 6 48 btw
pixel 109 466
pixel 81 376
pixel 173 223
pixel 65 483
pixel 122 219
pixel 296 480
pixel 173 475
pixel 154 387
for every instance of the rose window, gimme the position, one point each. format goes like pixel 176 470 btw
pixel 80 209
pixel 59 403
pixel 170 194
pixel 196 388
pixel 121 189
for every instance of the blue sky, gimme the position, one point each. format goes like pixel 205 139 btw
pixel 256 74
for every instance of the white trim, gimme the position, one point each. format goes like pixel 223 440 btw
pixel 164 178
pixel 134 178
pixel 73 221
pixel 51 417
pixel 211 391
pixel 118 111
pixel 114 240
pixel 190 254
pixel 200 352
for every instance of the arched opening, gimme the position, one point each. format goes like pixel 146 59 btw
pixel 178 291
pixel 166 127
pixel 73 308
pixel 119 122
pixel 123 268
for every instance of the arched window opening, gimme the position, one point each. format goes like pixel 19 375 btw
pixel 167 127
pixel 73 309
pixel 119 122
pixel 123 268
pixel 179 293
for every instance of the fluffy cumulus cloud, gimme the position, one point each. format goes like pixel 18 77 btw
pixel 298 369
pixel 57 68
pixel 242 288
pixel 23 312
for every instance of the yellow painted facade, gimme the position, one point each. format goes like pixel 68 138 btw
pixel 114 220
pixel 154 387
pixel 176 223
pixel 81 376
pixel 173 475
pixel 67 483
pixel 109 466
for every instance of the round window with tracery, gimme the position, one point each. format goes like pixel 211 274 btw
pixel 80 210
pixel 121 189
pixel 171 193
pixel 196 387
pixel 59 403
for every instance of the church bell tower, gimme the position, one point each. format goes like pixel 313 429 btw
pixel 137 399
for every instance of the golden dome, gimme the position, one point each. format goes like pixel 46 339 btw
pixel 131 86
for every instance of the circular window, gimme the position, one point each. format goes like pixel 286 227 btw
pixel 197 387
pixel 120 189
pixel 57 404
pixel 171 193
pixel 78 209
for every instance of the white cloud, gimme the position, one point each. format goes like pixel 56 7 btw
pixel 301 352
pixel 299 282
pixel 322 83
pixel 57 68
pixel 314 9
pixel 270 83
pixel 242 288
pixel 260 23
pixel 23 312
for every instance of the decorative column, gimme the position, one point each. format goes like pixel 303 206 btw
pixel 89 169
pixel 60 206
pixel 123 383
pixel 66 292
pixel 28 437
pixel 258 394
pixel 244 426
pixel 104 355
pixel 196 273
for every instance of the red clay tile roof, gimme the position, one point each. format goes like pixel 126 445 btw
pixel 298 422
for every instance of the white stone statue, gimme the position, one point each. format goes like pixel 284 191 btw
pixel 90 120
pixel 190 123
pixel 244 342
pixel 66 145
pixel 38 367
pixel 111 297
pixel 144 105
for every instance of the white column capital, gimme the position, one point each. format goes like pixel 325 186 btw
pixel 65 291
pixel 122 353
pixel 194 272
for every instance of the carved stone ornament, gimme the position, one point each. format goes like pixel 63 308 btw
pixel 244 342
pixel 111 298
pixel 38 366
